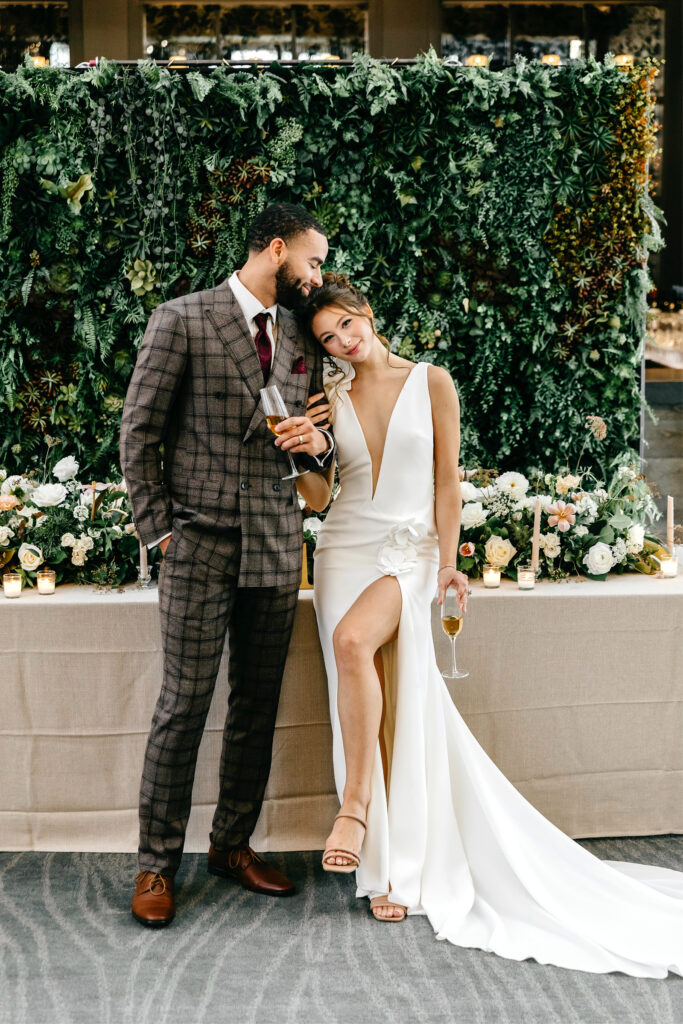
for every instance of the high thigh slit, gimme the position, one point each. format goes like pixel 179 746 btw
pixel 449 836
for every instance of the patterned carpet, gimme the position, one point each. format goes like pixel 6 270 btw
pixel 72 954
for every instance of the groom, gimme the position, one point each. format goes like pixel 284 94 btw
pixel 229 527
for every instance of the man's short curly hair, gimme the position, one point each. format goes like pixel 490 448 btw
pixel 279 220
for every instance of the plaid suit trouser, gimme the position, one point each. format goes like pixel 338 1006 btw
pixel 198 604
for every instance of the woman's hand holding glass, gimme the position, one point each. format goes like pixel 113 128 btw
pixel 449 576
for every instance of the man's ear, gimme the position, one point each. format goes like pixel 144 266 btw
pixel 278 251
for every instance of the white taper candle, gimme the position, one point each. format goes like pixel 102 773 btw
pixel 535 539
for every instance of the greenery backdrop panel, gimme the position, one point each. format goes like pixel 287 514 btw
pixel 499 222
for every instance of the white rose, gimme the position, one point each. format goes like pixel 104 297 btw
pixel 635 538
pixel 130 527
pixel 580 531
pixel 599 559
pixel 499 551
pixel 85 543
pixel 78 556
pixel 30 557
pixel 68 540
pixel 550 543
pixel 512 483
pixel 48 495
pixel 66 469
pixel 117 531
pixel 473 514
pixel 5 535
pixel 312 525
pixel 468 491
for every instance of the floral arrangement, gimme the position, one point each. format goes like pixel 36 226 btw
pixel 586 528
pixel 82 531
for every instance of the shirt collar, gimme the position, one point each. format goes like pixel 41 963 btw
pixel 248 302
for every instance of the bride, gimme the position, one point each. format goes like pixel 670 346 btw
pixel 427 821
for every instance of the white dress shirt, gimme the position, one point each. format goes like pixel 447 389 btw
pixel 251 306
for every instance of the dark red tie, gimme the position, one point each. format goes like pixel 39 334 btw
pixel 263 346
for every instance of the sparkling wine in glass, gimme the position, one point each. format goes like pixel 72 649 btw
pixel 452 621
pixel 276 411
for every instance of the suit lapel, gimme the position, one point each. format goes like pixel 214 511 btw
pixel 228 321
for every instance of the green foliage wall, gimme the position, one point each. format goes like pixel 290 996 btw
pixel 499 222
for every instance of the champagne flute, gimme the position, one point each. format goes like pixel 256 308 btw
pixel 276 411
pixel 452 621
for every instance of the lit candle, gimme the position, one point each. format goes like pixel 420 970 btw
pixel 11 584
pixel 491 576
pixel 668 567
pixel 526 577
pixel 536 536
pixel 624 60
pixel 477 60
pixel 47 580
pixel 551 58
pixel 670 524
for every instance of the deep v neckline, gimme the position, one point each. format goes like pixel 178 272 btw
pixel 373 490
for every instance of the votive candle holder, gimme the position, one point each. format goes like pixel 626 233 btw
pixel 491 575
pixel 526 576
pixel 47 581
pixel 668 567
pixel 11 584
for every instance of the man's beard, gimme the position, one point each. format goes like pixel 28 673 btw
pixel 288 291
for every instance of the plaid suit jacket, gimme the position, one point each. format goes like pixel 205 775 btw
pixel 219 486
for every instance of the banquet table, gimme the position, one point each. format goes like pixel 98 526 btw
pixel 575 690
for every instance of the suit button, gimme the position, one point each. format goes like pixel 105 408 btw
pixel 244 485
pixel 276 487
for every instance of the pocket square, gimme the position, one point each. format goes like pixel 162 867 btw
pixel 299 365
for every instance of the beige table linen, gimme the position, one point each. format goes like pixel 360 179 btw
pixel 575 690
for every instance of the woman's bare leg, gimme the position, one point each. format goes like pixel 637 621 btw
pixel 369 623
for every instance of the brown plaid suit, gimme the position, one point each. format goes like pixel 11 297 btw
pixel 234 559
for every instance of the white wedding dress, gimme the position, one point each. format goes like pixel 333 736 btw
pixel 454 839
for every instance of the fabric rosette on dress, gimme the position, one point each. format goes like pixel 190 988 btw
pixel 403 547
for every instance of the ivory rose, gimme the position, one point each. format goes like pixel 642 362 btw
pixel 499 551
pixel 30 557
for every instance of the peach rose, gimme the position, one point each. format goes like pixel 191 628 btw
pixel 8 501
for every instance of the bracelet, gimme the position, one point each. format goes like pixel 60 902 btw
pixel 446 566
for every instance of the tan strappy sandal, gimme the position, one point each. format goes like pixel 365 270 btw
pixel 330 852
pixel 377 902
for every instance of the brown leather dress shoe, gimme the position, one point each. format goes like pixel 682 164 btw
pixel 247 868
pixel 153 902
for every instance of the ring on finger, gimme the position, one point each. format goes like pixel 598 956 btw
pixel 301 440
